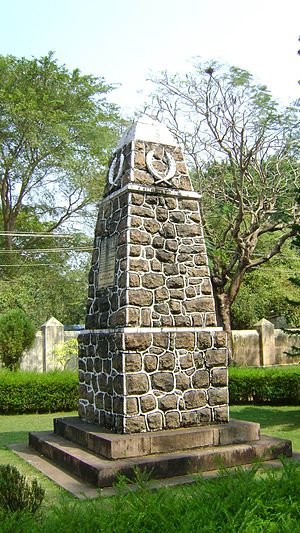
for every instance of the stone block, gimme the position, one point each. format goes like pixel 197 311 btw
pixel 133 362
pixel 140 297
pixel 215 357
pixel 148 403
pixel 200 379
pixel 185 340
pixel 162 214
pixel 161 340
pixel 138 265
pixel 186 361
pixel 167 361
pixel 118 384
pixel 132 406
pixel 219 377
pixel 138 236
pixel 204 340
pixel 162 381
pixel 194 399
pixel 135 424
pixel 137 384
pixel 220 339
pixel 150 363
pixel 183 382
pixel 165 257
pixel 167 402
pixel 137 341
pixel 200 305
pixel 145 317
pixel 217 396
pixel 152 226
pixel 118 405
pixel 134 280
pixel 154 421
pixel 206 288
pixel 161 294
pixel 152 281
pixel 172 420
pixel 175 282
pixel 221 415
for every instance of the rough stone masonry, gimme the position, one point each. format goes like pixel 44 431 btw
pixel 151 356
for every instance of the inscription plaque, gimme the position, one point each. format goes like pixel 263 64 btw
pixel 107 261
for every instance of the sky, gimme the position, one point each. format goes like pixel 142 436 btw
pixel 125 40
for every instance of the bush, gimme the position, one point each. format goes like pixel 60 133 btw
pixel 259 386
pixel 33 392
pixel 16 335
pixel 16 493
pixel 66 351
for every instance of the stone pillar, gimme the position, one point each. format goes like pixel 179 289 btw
pixel 151 356
pixel 53 334
pixel 265 330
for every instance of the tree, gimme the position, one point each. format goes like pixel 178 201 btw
pixel 243 154
pixel 16 335
pixel 56 134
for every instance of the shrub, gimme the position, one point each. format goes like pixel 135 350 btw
pixel 16 335
pixel 259 386
pixel 33 392
pixel 66 351
pixel 16 493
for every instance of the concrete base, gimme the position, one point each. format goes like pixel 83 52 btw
pixel 100 457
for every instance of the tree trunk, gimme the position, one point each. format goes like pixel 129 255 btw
pixel 223 303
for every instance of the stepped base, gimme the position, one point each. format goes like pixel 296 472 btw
pixel 163 455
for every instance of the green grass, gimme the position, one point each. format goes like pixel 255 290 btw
pixel 241 502
pixel 13 430
pixel 282 422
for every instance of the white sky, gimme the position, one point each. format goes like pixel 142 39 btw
pixel 122 40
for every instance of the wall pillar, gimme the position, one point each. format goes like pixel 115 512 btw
pixel 265 330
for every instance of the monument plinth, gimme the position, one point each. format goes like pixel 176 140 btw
pixel 151 357
pixel 153 389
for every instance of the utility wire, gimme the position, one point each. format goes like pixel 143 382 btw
pixel 48 250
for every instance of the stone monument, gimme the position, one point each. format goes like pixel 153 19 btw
pixel 153 388
pixel 151 357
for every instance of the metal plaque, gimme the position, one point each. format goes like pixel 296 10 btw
pixel 107 262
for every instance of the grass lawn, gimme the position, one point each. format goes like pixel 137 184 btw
pixel 14 429
pixel 237 503
pixel 282 422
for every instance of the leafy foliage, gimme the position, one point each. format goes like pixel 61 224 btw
pixel 259 386
pixel 242 148
pixel 56 132
pixel 32 392
pixel 16 493
pixel 65 351
pixel 17 333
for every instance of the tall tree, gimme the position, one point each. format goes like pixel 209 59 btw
pixel 243 153
pixel 56 133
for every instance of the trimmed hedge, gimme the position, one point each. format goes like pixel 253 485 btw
pixel 259 386
pixel 33 392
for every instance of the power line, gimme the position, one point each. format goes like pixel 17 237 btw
pixel 38 234
pixel 48 250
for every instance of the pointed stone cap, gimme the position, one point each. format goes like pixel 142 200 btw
pixel 51 323
pixel 148 129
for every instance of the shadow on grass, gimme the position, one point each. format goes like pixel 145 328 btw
pixel 269 417
pixel 13 437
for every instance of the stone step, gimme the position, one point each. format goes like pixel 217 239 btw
pixel 115 446
pixel 102 472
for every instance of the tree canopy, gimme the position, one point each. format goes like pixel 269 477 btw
pixel 57 132
pixel 243 151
